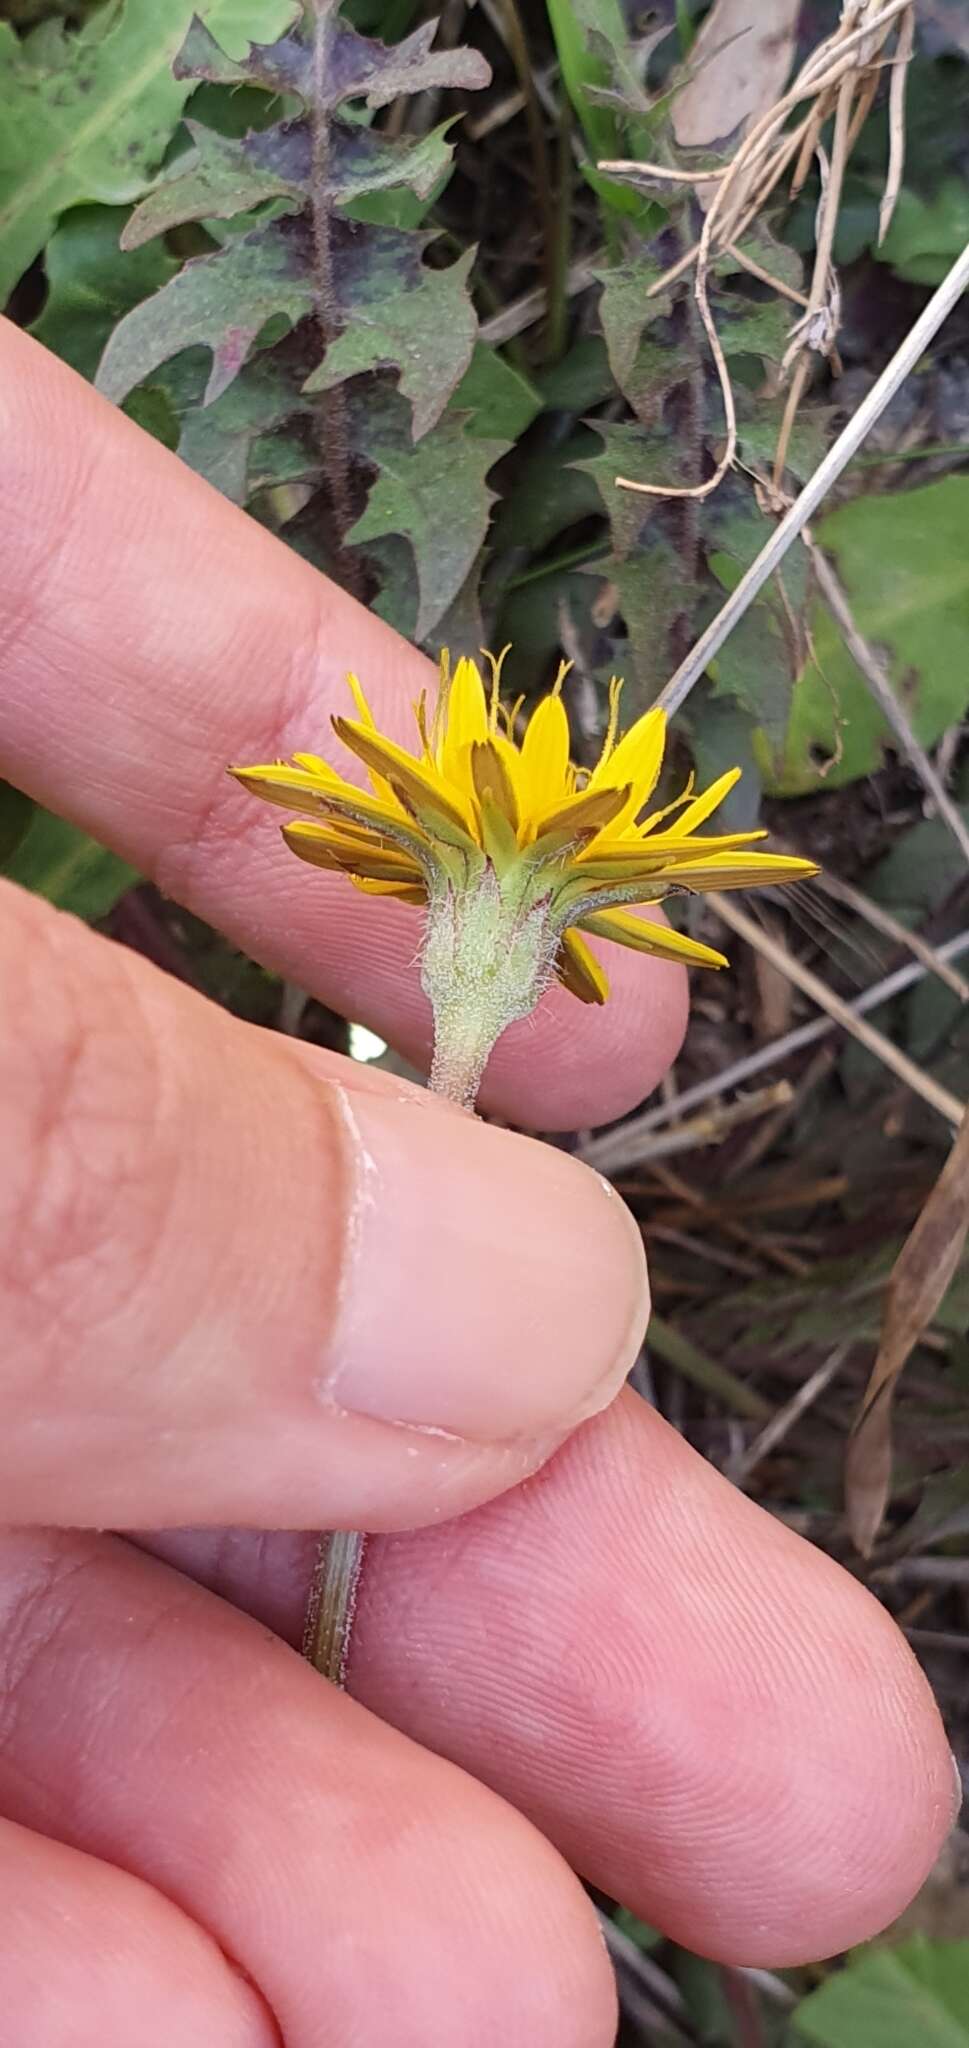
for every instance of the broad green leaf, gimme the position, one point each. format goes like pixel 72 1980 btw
pixel 651 593
pixel 605 90
pixel 92 283
pixel 582 378
pixel 644 366
pixel 219 441
pixel 904 564
pixel 721 737
pixel 585 67
pixel 425 331
pixel 16 811
pixel 927 233
pixel 502 402
pixel 89 116
pixel 434 494
pixel 551 494
pixel 914 1996
pixel 759 663
pixel 59 862
pixel 220 301
pixel 627 451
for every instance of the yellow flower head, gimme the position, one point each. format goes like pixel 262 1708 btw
pixel 476 803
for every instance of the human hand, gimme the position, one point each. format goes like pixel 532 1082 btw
pixel 246 1282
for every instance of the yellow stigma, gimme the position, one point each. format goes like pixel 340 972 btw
pixel 475 803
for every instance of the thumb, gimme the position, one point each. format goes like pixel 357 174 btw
pixel 244 1282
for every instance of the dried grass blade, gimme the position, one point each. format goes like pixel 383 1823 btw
pixel 921 1274
pixel 940 1099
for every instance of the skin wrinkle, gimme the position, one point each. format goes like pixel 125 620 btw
pixel 84 1157
pixel 46 565
pixel 26 1633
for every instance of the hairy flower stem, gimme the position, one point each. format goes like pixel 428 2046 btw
pixel 460 1058
pixel 486 960
pixel 332 1603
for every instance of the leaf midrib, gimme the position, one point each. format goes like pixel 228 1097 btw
pixel 53 167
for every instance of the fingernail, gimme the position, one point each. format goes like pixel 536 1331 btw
pixel 493 1288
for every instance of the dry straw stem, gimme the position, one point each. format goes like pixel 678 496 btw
pixel 648 1996
pixel 779 1426
pixel 811 985
pixel 717 1124
pixel 617 1150
pixel 839 78
pixel 816 489
pixel 920 1276
pixel 883 921
pixel 332 1603
pixel 524 312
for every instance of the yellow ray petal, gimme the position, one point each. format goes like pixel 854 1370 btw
pixel 295 789
pixel 590 811
pixel 579 971
pixel 646 937
pixel 328 849
pixel 358 694
pixel 741 871
pixel 612 727
pixel 702 806
pixel 466 722
pixel 492 781
pixel 417 780
pixel 607 856
pixel 636 759
pixel 405 892
pixel 543 762
pixel 381 787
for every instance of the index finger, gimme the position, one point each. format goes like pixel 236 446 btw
pixel 150 633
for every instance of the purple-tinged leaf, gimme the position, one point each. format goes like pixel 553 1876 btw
pixel 435 495
pixel 221 302
pixel 225 176
pixel 348 66
pixel 425 331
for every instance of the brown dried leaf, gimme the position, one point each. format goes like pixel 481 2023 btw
pixel 739 66
pixel 920 1276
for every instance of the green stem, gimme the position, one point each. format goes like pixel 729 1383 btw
pixel 519 53
pixel 557 316
pixel 461 1049
pixel 705 1372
